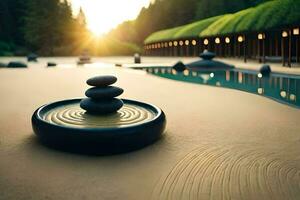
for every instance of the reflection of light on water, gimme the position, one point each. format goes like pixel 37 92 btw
pixel 283 94
pixel 240 77
pixel 205 77
pixel 186 72
pixel 292 97
pixel 227 76
pixel 260 90
pixel 243 80
pixel 259 75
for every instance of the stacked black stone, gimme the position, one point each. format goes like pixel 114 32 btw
pixel 101 97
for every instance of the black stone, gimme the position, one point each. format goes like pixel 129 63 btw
pixel 265 70
pixel 104 92
pixel 32 57
pixel 101 81
pixel 16 65
pixel 101 107
pixel 137 58
pixel 207 63
pixel 179 66
pixel 51 64
pixel 3 64
pixel 207 55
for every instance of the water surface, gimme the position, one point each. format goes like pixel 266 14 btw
pixel 283 88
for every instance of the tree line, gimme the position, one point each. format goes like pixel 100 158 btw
pixel 43 26
pixel 49 28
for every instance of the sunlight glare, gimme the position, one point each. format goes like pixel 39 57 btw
pixel 104 15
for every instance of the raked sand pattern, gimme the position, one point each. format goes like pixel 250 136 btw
pixel 74 116
pixel 231 172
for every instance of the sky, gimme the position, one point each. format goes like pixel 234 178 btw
pixel 104 15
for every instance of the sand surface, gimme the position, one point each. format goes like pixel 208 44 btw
pixel 219 143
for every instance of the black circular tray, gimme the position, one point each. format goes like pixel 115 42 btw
pixel 65 126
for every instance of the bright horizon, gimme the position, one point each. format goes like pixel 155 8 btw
pixel 104 15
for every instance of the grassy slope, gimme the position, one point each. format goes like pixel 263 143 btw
pixel 194 29
pixel 166 34
pixel 189 30
pixel 226 24
pixel 272 14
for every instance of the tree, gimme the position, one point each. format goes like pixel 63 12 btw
pixel 41 24
pixel 49 25
pixel 12 20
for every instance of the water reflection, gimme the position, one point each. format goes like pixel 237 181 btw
pixel 280 87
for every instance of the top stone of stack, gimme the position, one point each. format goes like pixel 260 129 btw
pixel 101 98
pixel 101 81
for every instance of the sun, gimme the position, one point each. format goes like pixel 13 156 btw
pixel 104 15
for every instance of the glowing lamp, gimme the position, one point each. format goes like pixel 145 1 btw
pixel 170 44
pixel 240 38
pixel 175 43
pixel 194 42
pixel 166 44
pixel 217 40
pixel 158 45
pixel 180 42
pixel 261 36
pixel 296 31
pixel 227 40
pixel 187 42
pixel 205 42
pixel 284 34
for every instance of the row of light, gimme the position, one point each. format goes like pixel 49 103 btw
pixel 240 38
pixel 187 42
pixel 286 33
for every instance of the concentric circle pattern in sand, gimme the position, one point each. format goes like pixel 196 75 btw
pixel 231 172
pixel 73 116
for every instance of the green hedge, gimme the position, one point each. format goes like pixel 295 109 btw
pixel 166 34
pixel 226 24
pixel 194 29
pixel 269 15
pixel 272 14
pixel 185 31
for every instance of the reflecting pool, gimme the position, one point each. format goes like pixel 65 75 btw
pixel 283 88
